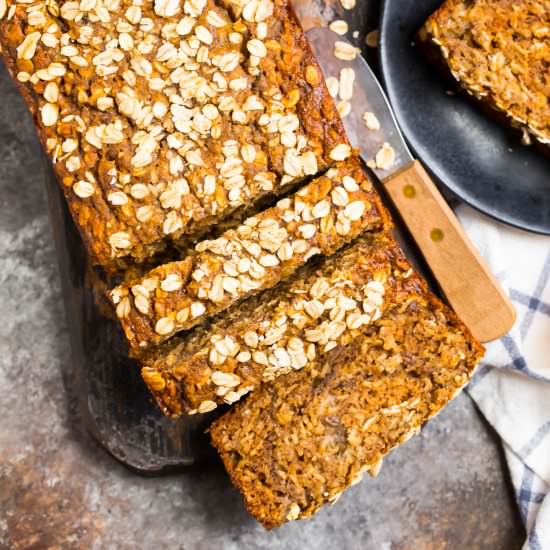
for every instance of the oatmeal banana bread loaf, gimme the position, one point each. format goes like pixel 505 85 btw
pixel 499 52
pixel 318 219
pixel 161 117
pixel 299 441
pixel 324 306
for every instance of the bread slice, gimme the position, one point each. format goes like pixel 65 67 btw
pixel 326 305
pixel 162 117
pixel 318 219
pixel 499 53
pixel 299 441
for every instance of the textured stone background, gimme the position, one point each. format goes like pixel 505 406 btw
pixel 446 489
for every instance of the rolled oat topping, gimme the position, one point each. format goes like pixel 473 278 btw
pixel 348 4
pixel 498 51
pixel 300 441
pixel 325 308
pixel 385 157
pixel 318 219
pixel 345 51
pixel 371 121
pixel 162 116
pixel 339 27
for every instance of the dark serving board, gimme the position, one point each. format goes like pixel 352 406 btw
pixel 114 404
pixel 478 159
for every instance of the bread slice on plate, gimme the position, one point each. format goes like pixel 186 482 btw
pixel 498 51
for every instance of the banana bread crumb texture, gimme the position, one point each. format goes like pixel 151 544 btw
pixel 326 305
pixel 298 442
pixel 499 53
pixel 162 117
pixel 318 219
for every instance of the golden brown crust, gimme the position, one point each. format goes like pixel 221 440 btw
pixel 134 125
pixel 298 442
pixel 318 219
pixel 498 51
pixel 326 305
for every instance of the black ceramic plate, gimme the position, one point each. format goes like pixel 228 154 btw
pixel 476 158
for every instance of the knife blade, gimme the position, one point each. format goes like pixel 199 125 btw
pixel 465 279
pixel 368 96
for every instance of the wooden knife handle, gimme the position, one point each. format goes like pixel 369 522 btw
pixel 471 289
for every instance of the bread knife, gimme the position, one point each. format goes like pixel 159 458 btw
pixel 462 274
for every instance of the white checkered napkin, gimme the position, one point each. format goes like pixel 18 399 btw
pixel 512 386
pixel 533 497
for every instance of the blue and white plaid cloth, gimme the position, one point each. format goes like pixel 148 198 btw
pixel 512 386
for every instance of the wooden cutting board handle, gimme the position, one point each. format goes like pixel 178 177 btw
pixel 471 289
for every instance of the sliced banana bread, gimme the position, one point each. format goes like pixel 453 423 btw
pixel 499 53
pixel 299 441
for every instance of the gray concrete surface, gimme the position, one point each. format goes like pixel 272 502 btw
pixel 446 489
